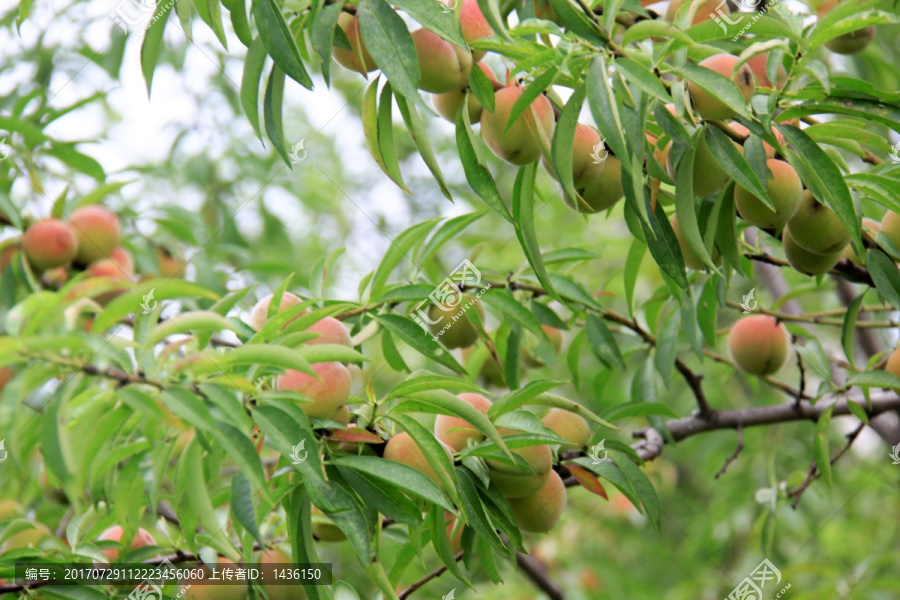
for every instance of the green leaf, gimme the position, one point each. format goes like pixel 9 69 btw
pixel 529 94
pixel 389 43
pixel 523 220
pixel 602 342
pixel 473 508
pixel 401 247
pixel 718 86
pixel 448 230
pixel 388 500
pixel 685 208
pixel 435 454
pixel 643 79
pixel 654 28
pixel 733 162
pixel 479 178
pixel 214 7
pixel 604 108
pixel 192 321
pixel 323 36
pixel 630 410
pixel 824 180
pixel 820 446
pixel 644 489
pixel 272 111
pixel 482 88
pixel 561 150
pixel 398 475
pixel 279 42
pixel 880 379
pixel 237 11
pixel 848 327
pixel 440 539
pixel 421 341
pixel 253 67
pixel 503 301
pixel 574 20
pixel 241 506
pixel 420 138
pixel 885 275
pixel 153 39
pixel 433 16
pixel 434 382
pixel 67 154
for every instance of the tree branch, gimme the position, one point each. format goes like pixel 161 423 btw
pixel 814 471
pixel 538 574
pixel 733 457
pixel 433 575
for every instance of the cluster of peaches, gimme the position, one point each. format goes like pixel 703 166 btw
pixel 537 495
pixel 87 241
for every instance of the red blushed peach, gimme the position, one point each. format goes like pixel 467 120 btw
pixel 759 345
pixel 141 538
pixel 331 331
pixel 260 313
pixel 97 230
pixel 326 394
pixel 49 243
pixel 518 144
pixel 455 431
pixel 474 25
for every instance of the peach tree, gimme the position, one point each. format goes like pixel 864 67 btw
pixel 188 395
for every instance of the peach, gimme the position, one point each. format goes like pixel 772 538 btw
pixel 784 189
pixel 277 558
pixel 123 259
pixel 705 12
pixel 326 394
pixel 691 260
pixel 540 512
pixel 260 313
pixel 49 243
pixel 518 145
pixel 453 327
pixel 212 591
pixel 171 265
pixel 816 228
pixel 848 43
pixel 141 539
pixel 569 426
pixel 769 150
pixel 801 259
pixel 709 107
pixel 403 449
pixel 456 431
pixel 97 230
pixel 331 331
pixel 758 64
pixel 448 104
pixel 759 344
pixel 350 59
pixel 474 25
pixel 514 482
pixel 443 67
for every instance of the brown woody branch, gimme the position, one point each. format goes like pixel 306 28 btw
pixel 814 470
pixel 433 575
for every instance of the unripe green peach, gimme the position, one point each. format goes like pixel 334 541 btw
pixel 453 327
pixel 49 243
pixel 455 431
pixel 801 259
pixel 569 426
pixel 759 345
pixel 758 64
pixel 514 482
pixel 326 395
pixel 518 145
pixel 705 12
pixel 171 266
pixel 331 331
pixel 275 590
pixel 443 67
pixel 448 104
pixel 97 230
pixel 403 449
pixel 816 228
pixel 27 538
pixel 597 175
pixel 324 528
pixel 708 176
pixel 849 43
pixel 260 313
pixel 342 416
pixel 473 24
pixel 9 510
pixel 704 103
pixel 141 538
pixel 541 511
pixel 350 59
pixel 691 260
pixel 784 189
pixel 190 590
pixel 769 150
pixel 490 369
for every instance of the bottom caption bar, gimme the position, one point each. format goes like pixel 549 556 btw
pixel 193 573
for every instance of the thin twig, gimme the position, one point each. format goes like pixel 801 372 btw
pixel 433 575
pixel 815 472
pixel 737 451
